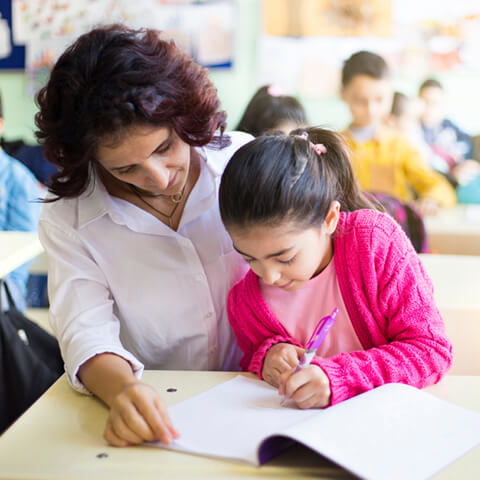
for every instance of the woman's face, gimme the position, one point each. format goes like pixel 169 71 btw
pixel 155 160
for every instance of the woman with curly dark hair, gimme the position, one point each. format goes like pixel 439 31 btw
pixel 139 262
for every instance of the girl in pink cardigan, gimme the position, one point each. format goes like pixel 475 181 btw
pixel 295 213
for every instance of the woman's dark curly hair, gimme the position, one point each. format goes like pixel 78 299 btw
pixel 113 78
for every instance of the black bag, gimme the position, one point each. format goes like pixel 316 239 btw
pixel 30 362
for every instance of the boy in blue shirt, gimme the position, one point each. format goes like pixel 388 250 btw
pixel 449 143
pixel 19 211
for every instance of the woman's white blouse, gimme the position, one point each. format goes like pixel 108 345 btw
pixel 121 281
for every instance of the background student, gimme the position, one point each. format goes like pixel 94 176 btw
pixel 139 262
pixel 315 245
pixel 19 211
pixel 270 110
pixel 444 137
pixel 383 160
pixel 405 116
pixel 448 142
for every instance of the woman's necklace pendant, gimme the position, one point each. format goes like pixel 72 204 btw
pixel 177 198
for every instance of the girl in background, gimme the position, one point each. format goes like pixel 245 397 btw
pixel 270 110
pixel 295 213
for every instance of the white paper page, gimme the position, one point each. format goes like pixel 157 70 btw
pixel 231 419
pixel 395 432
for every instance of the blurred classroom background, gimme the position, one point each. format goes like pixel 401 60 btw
pixel 299 47
pixel 297 44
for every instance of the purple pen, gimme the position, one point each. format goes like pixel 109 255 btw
pixel 318 336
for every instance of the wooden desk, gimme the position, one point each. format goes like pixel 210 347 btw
pixel 456 281
pixel 60 437
pixel 17 248
pixel 455 231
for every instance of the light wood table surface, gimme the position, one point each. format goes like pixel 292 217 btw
pixel 455 231
pixel 456 281
pixel 17 248
pixel 60 437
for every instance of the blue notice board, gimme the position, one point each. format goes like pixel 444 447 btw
pixel 16 60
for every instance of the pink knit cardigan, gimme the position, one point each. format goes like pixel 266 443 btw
pixel 389 299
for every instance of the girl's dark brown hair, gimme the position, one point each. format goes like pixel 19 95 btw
pixel 265 112
pixel 274 179
pixel 113 78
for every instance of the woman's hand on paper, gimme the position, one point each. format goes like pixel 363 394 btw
pixel 308 388
pixel 138 415
pixel 281 358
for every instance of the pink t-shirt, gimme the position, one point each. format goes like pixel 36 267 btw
pixel 300 311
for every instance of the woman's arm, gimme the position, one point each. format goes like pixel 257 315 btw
pixel 137 413
pixel 106 375
pixel 81 305
pixel 82 317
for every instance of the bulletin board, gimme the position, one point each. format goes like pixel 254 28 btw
pixel 204 29
pixel 12 55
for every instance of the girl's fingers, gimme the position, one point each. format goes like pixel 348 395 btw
pixel 311 396
pixel 269 379
pixel 288 363
pixel 283 381
pixel 294 382
pixel 309 388
pixel 304 397
pixel 300 352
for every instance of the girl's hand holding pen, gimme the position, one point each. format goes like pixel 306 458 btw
pixel 137 415
pixel 280 359
pixel 308 385
pixel 308 388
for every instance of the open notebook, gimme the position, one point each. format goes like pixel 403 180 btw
pixel 394 431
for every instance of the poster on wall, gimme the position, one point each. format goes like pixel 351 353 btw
pixel 12 53
pixel 327 18
pixel 314 37
pixel 204 29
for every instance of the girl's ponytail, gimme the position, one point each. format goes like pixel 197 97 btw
pixel 274 179
pixel 338 167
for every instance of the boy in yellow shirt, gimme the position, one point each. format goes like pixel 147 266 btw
pixel 383 159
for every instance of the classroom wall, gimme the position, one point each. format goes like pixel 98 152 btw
pixel 18 108
pixel 236 85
